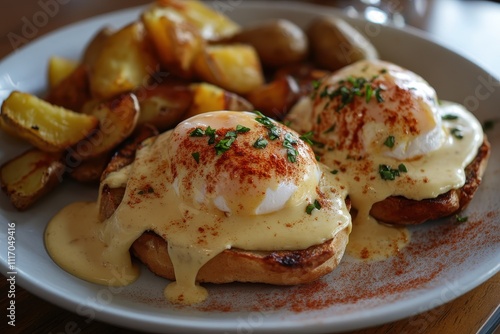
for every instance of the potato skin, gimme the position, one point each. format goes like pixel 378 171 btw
pixel 399 210
pixel 334 43
pixel 278 42
pixel 28 177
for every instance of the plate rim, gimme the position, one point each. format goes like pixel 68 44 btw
pixel 67 302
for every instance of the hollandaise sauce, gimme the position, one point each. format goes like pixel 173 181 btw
pixel 202 202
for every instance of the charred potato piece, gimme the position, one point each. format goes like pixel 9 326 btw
pixel 164 105
pixel 59 68
pixel 278 42
pixel 334 43
pixel 125 154
pixel 89 171
pixel 233 67
pixel 117 119
pixel 208 97
pixel 48 127
pixel 125 62
pixel 73 91
pixel 29 176
pixel 275 98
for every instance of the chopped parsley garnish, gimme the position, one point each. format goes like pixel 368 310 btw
pixel 307 137
pixel 260 143
pixel 461 219
pixel 350 88
pixel 274 132
pixel 449 117
pixel 196 156
pixel 388 173
pixel 241 129
pixel 378 96
pixel 335 171
pixel 390 141
pixel 222 145
pixel 457 133
pixel 225 144
pixel 289 143
pixel 198 132
pixel 264 120
pixel 368 92
pixel 311 207
pixel 211 133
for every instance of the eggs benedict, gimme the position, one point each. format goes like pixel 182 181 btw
pixel 225 196
pixel 404 156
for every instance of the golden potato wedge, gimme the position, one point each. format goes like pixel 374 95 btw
pixel 234 67
pixel 176 41
pixel 73 91
pixel 29 176
pixel 50 128
pixel 275 98
pixel 164 105
pixel 89 171
pixel 208 97
pixel 125 62
pixel 117 120
pixel 59 68
pixel 95 46
pixel 211 23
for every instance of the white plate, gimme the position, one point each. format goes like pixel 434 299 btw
pixel 443 261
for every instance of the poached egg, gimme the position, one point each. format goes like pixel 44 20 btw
pixel 383 132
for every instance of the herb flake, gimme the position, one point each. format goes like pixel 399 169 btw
pixel 316 205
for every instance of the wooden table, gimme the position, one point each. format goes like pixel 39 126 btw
pixel 471 29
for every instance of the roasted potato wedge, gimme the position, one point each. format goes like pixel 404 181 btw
pixel 29 176
pixel 278 42
pixel 95 46
pixel 89 171
pixel 164 105
pixel 334 43
pixel 50 128
pixel 176 41
pixel 125 62
pixel 117 120
pixel 211 23
pixel 59 68
pixel 234 67
pixel 125 154
pixel 73 91
pixel 208 97
pixel 275 98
